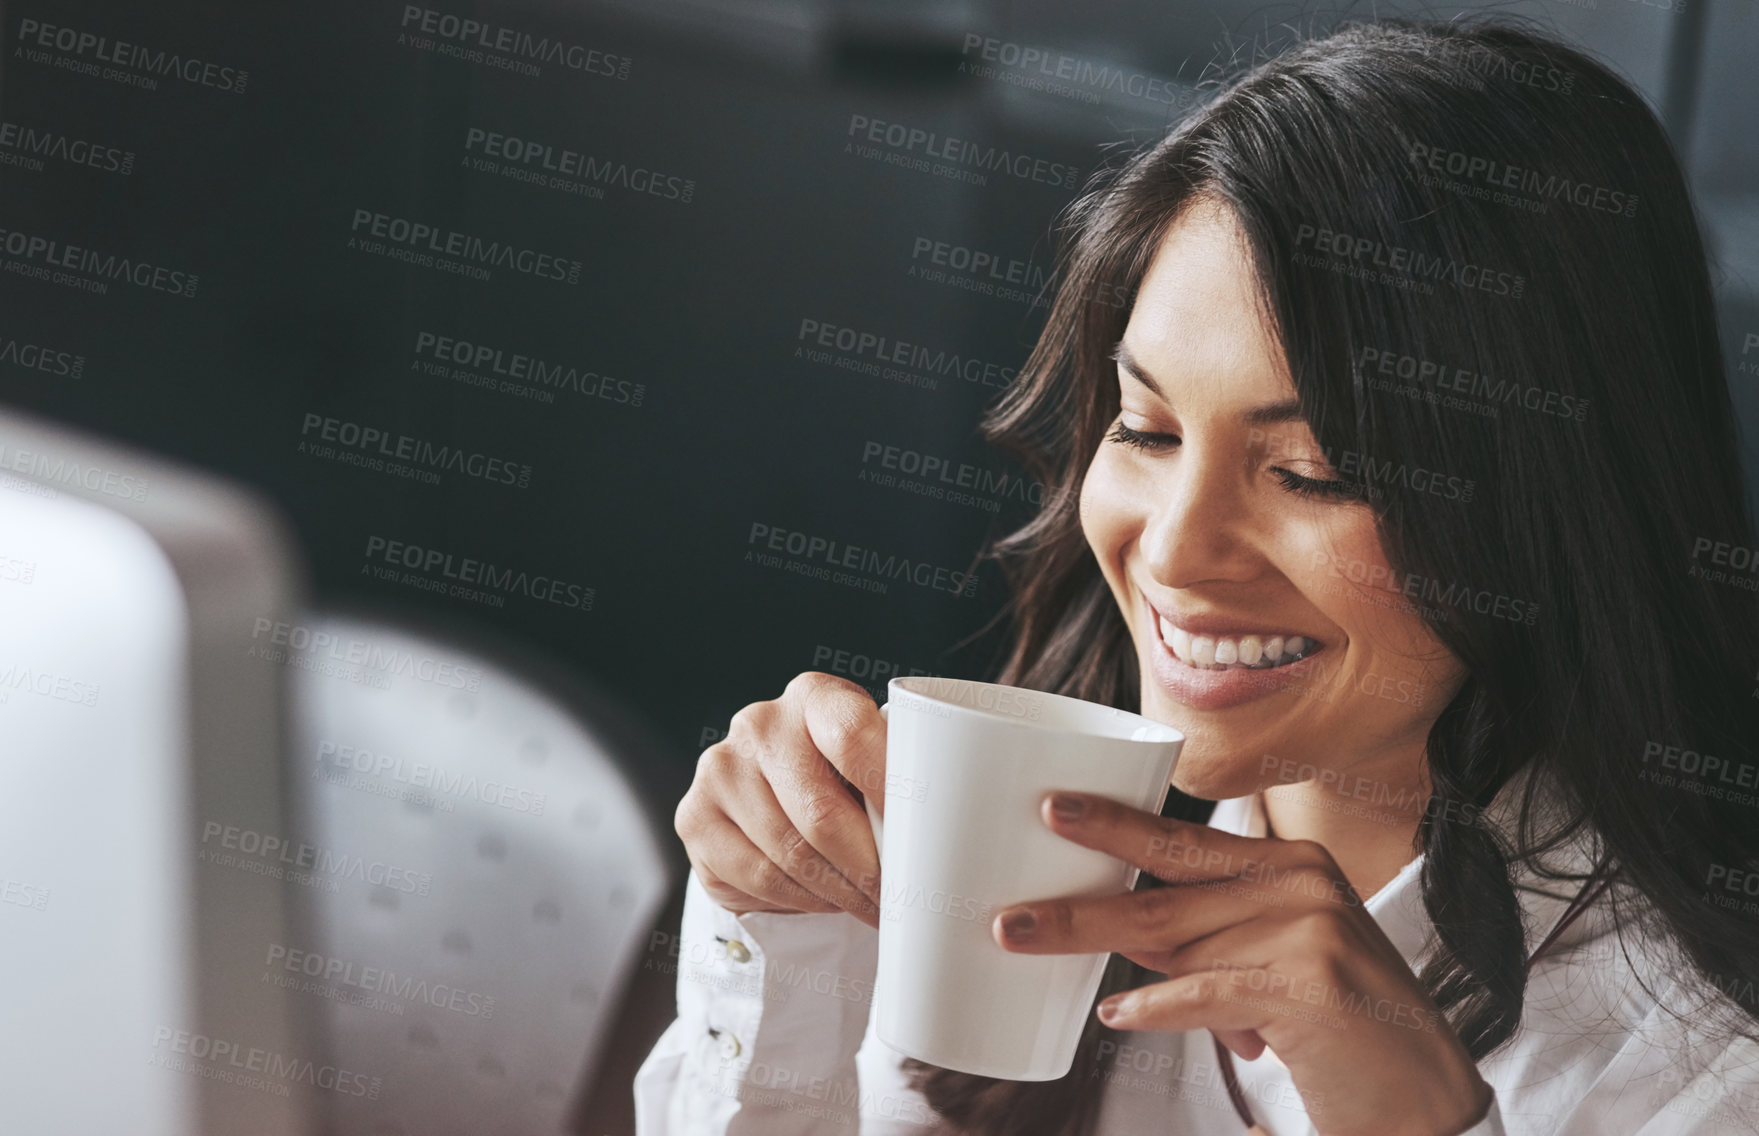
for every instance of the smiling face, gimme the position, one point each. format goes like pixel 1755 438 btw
pixel 1231 558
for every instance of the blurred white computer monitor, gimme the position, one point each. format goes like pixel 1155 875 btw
pixel 144 843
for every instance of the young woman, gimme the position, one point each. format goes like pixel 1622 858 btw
pixel 1406 485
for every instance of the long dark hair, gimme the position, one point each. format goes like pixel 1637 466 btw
pixel 1581 390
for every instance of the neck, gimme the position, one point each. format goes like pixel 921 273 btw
pixel 1367 819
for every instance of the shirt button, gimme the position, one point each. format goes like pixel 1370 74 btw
pixel 729 1045
pixel 737 951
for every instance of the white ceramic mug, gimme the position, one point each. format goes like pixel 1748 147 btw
pixel 967 764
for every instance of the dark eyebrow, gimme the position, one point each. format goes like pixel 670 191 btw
pixel 1265 415
pixel 1135 371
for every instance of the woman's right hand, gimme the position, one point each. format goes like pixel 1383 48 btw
pixel 774 821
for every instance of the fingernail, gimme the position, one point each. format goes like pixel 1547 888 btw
pixel 1017 925
pixel 1112 1008
pixel 1067 807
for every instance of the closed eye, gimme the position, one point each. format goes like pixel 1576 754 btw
pixel 1313 487
pixel 1142 440
pixel 1320 487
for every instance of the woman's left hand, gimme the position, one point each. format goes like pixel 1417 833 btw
pixel 1264 943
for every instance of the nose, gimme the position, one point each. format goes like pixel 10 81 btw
pixel 1195 530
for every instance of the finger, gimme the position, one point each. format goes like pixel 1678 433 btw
pixel 1183 852
pixel 756 811
pixel 1311 936
pixel 728 896
pixel 1146 925
pixel 832 736
pixel 848 729
pixel 1248 1045
pixel 1205 1000
pixel 1279 968
pixel 745 868
pixel 1231 960
pixel 1228 1002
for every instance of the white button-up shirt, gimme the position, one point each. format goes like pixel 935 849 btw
pixel 774 1036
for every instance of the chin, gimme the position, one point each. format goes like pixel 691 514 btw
pixel 1210 773
pixel 1207 769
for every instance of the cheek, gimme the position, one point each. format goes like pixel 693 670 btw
pixel 1396 668
pixel 1107 519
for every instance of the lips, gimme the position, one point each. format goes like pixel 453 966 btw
pixel 1206 662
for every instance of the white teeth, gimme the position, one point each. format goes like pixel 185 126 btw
pixel 1213 653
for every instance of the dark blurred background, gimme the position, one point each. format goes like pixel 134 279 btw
pixel 728 194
